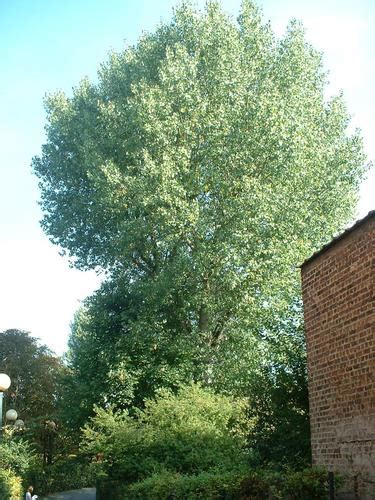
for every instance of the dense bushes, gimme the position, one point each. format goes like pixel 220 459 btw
pixel 16 456
pixel 205 485
pixel 310 483
pixel 10 485
pixel 188 445
pixel 191 432
pixel 235 485
pixel 68 474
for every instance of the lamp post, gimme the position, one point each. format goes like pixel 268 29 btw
pixel 19 424
pixel 11 415
pixel 4 386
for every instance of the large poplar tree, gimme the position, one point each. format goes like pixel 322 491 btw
pixel 204 164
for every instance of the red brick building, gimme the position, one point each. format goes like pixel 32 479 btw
pixel 339 310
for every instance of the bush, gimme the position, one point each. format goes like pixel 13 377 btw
pixel 214 485
pixel 207 485
pixel 261 484
pixel 10 485
pixel 310 483
pixel 68 474
pixel 109 488
pixel 16 456
pixel 188 433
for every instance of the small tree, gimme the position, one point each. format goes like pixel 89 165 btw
pixel 35 373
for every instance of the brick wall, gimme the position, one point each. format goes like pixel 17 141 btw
pixel 339 309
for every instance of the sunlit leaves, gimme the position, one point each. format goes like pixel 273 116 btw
pixel 200 169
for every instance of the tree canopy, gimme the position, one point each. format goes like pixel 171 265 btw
pixel 200 168
pixel 207 143
pixel 35 374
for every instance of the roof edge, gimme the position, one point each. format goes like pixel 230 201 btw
pixel 338 238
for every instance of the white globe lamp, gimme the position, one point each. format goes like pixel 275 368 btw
pixel 4 386
pixel 11 415
pixel 20 424
pixel 4 382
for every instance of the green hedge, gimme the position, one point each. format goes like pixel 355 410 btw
pixel 10 485
pixel 167 485
pixel 69 474
pixel 311 483
pixel 255 485
pixel 171 485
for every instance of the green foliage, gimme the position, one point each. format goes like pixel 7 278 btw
pixel 35 373
pixel 66 474
pixel 206 485
pixel 109 488
pixel 10 485
pixel 197 172
pixel 279 398
pixel 236 484
pixel 203 121
pixel 310 483
pixel 260 484
pixel 16 456
pixel 188 433
pixel 203 165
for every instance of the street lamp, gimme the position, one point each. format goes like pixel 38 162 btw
pixel 19 424
pixel 11 415
pixel 4 386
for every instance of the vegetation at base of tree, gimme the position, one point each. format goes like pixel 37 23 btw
pixel 189 432
pixel 17 456
pixel 235 485
pixel 188 445
pixel 36 375
pixel 67 473
pixel 279 401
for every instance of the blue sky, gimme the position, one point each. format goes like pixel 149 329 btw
pixel 51 44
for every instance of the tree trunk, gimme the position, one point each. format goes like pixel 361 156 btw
pixel 203 319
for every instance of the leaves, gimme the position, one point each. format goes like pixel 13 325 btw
pixel 192 431
pixel 200 169
pixel 35 374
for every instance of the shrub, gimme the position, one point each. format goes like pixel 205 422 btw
pixel 186 433
pixel 207 485
pixel 260 484
pixel 10 485
pixel 16 456
pixel 68 474
pixel 216 484
pixel 310 483
pixel 109 488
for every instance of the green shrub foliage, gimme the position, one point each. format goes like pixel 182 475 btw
pixel 309 483
pixel 214 485
pixel 10 485
pixel 205 485
pixel 68 473
pixel 16 456
pixel 186 433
